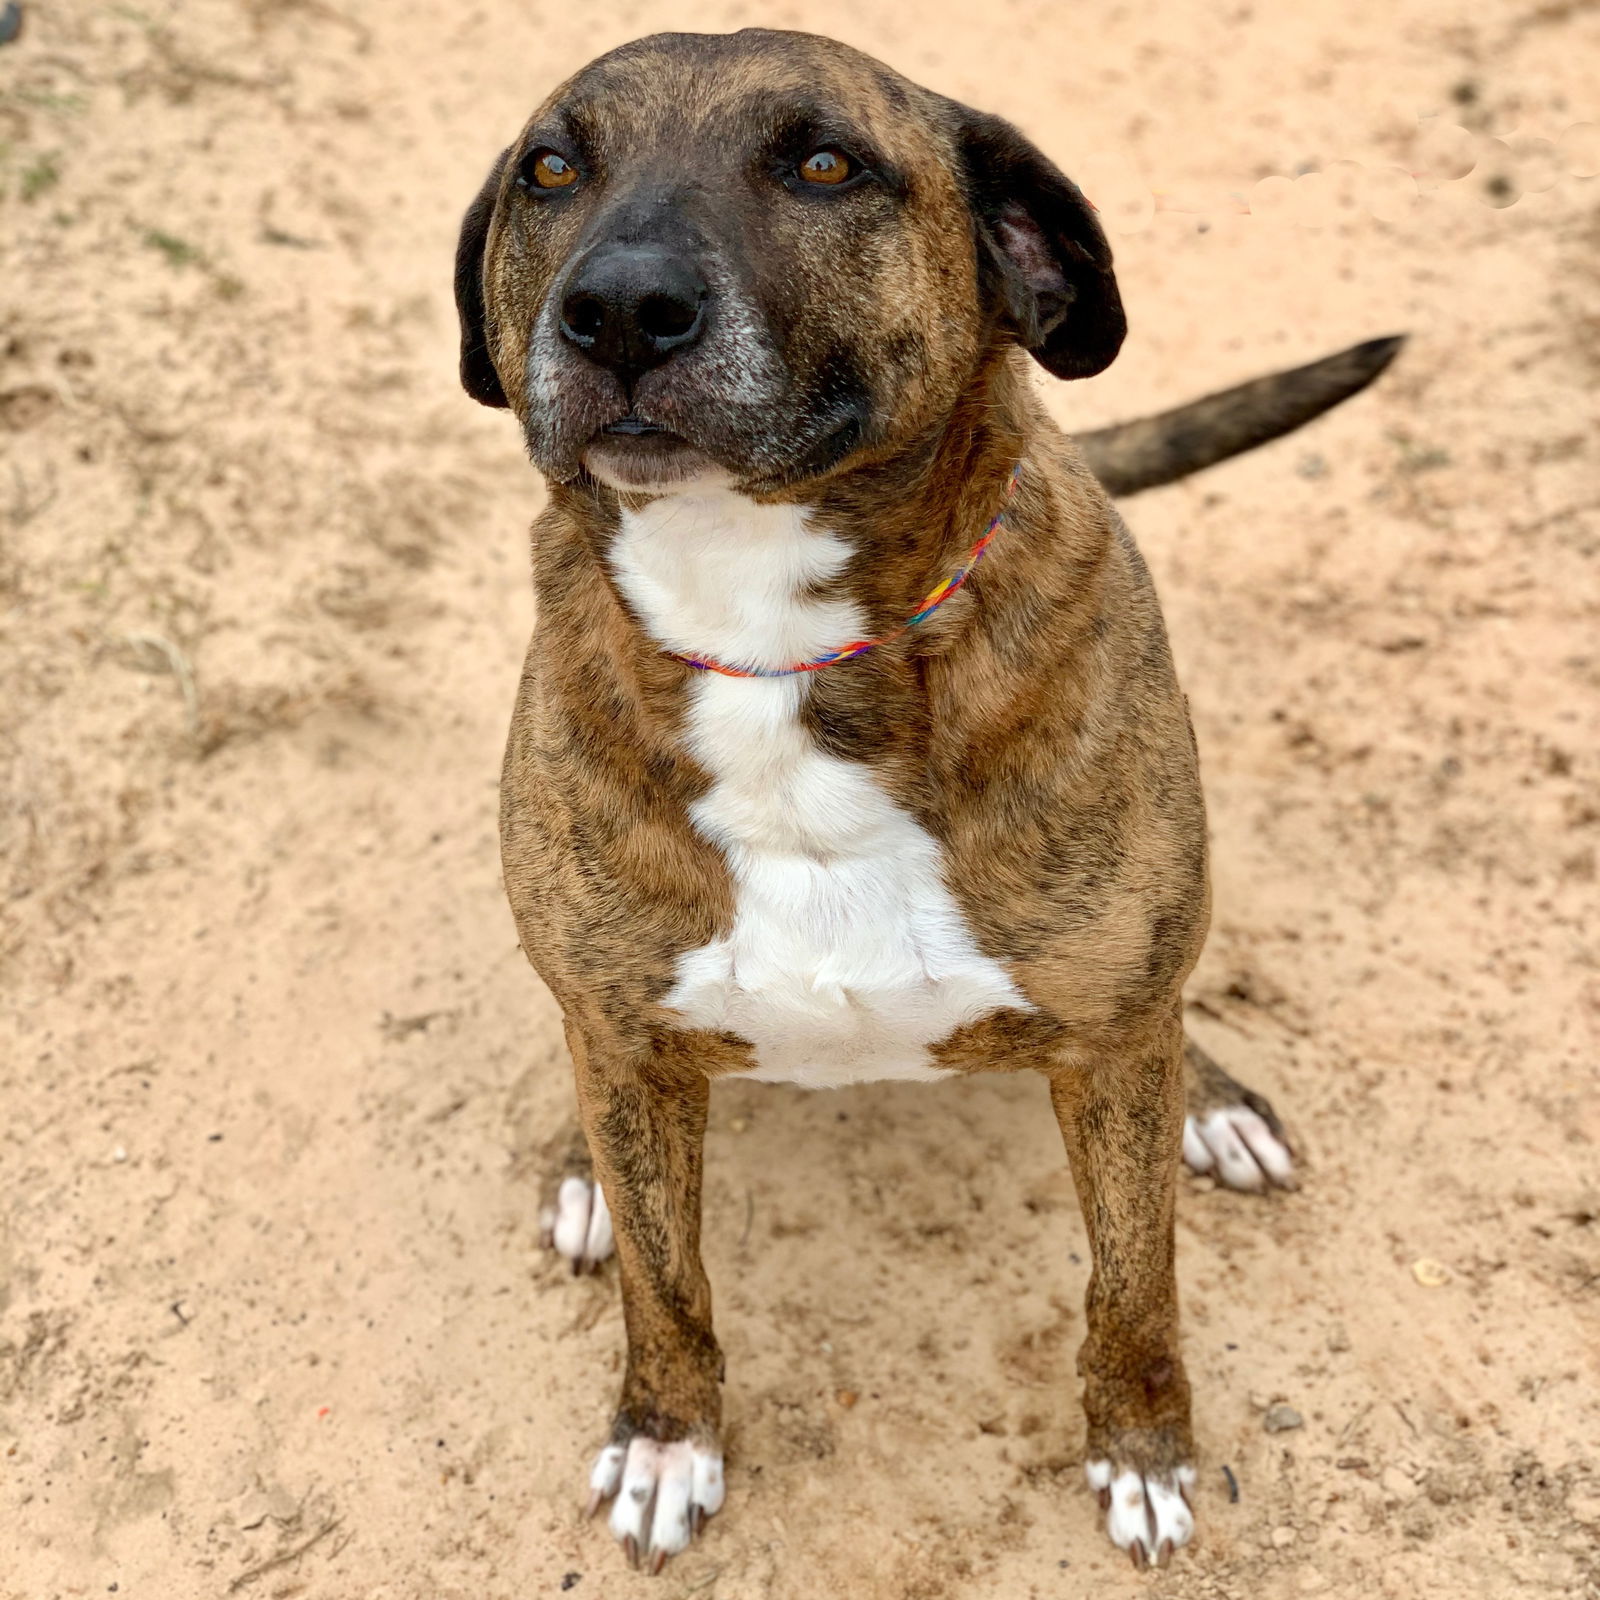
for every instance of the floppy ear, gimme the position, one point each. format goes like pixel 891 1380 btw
pixel 478 376
pixel 1044 265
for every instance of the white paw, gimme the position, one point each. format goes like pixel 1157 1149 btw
pixel 1237 1145
pixel 664 1493
pixel 578 1225
pixel 1149 1517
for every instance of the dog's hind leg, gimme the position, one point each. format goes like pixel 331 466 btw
pixel 574 1219
pixel 1121 1112
pixel 661 1467
pixel 1232 1132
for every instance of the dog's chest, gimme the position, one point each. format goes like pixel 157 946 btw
pixel 848 956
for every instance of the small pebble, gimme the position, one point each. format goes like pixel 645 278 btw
pixel 1338 1339
pixel 737 1124
pixel 847 1398
pixel 1430 1274
pixel 119 1154
pixel 10 21
pixel 1280 1419
pixel 1283 1537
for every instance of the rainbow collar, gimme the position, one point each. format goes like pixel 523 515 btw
pixel 930 604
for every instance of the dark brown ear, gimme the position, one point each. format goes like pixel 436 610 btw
pixel 478 376
pixel 1044 264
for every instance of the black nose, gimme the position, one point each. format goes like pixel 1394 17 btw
pixel 628 307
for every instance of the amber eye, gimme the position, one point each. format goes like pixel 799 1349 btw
pixel 827 166
pixel 549 171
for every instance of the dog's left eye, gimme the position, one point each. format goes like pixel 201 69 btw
pixel 544 169
pixel 827 167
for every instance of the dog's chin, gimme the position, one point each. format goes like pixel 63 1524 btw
pixel 656 462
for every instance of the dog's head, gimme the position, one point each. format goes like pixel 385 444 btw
pixel 760 256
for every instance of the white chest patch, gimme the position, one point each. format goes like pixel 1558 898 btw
pixel 848 956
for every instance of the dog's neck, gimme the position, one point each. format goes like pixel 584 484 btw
pixel 769 581
pixel 910 519
pixel 714 575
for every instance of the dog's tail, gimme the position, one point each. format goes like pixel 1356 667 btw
pixel 1150 451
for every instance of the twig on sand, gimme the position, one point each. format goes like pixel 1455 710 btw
pixel 1354 1422
pixel 181 670
pixel 250 1574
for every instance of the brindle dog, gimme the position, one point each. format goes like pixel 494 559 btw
pixel 763 309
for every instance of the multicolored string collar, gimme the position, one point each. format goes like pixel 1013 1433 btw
pixel 860 646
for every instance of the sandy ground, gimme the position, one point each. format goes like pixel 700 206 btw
pixel 273 1317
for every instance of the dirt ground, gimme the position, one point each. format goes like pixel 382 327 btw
pixel 273 1317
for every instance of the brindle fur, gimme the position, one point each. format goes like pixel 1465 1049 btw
pixel 1033 727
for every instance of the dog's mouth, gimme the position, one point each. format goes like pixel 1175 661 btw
pixel 635 453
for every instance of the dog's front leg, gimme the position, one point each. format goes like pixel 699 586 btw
pixel 1121 1115
pixel 645 1120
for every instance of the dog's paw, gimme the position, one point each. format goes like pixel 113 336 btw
pixel 661 1495
pixel 1147 1514
pixel 577 1226
pixel 1239 1147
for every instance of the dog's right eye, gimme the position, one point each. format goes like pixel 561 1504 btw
pixel 828 166
pixel 544 169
